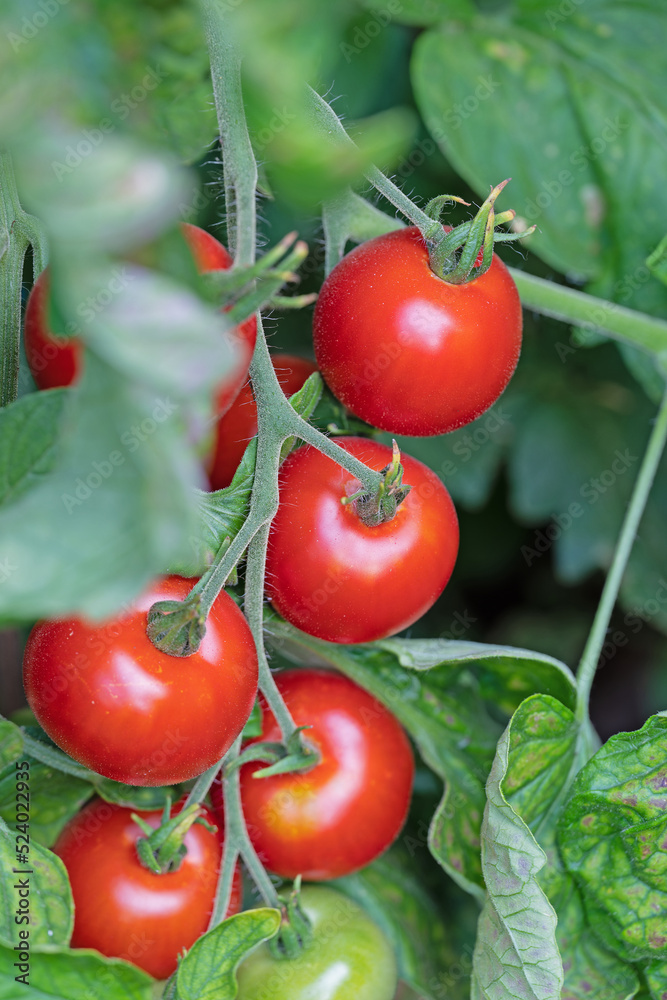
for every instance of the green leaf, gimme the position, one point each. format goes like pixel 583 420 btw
pixel 516 954
pixel 253 726
pixel 50 897
pixel 612 837
pixel 208 971
pixel 507 674
pixel 394 896
pixel 11 743
pixel 546 750
pixel 444 712
pixel 28 441
pixel 590 969
pixel 79 974
pixel 136 796
pixel 421 12
pixel 656 978
pixel 117 509
pixel 54 798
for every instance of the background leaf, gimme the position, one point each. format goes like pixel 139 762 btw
pixel 54 798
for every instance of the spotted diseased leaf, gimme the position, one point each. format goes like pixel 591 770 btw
pixel 51 910
pixel 613 839
pixel 656 980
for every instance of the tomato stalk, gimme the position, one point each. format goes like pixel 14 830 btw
pixel 18 231
pixel 641 490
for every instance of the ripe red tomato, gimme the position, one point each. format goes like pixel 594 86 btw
pixel 339 816
pixel 56 361
pixel 125 911
pixel 239 424
pixel 115 703
pixel 331 575
pixel 53 360
pixel 405 350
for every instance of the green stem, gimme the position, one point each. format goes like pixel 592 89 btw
pixel 237 843
pixel 13 245
pixel 572 306
pixel 591 654
pixel 239 165
pixel 201 786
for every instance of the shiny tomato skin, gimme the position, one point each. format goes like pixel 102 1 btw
pixel 237 426
pixel 349 958
pixel 125 911
pixel 121 707
pixel 333 577
pixel 53 361
pixel 405 350
pixel 348 809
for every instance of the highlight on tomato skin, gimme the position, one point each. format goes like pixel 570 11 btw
pixel 343 813
pixel 406 351
pixel 56 361
pixel 118 705
pixel 122 909
pixel 238 425
pixel 333 577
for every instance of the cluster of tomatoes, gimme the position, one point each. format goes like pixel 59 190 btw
pixel 410 354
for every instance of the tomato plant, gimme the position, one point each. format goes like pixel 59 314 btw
pixel 341 814
pixel 503 857
pixel 118 705
pixel 341 580
pixel 239 423
pixel 122 909
pixel 406 350
pixel 348 958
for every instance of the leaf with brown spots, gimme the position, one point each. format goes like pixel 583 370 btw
pixel 613 838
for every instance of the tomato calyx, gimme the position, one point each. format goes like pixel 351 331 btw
pixel 296 931
pixel 162 850
pixel 295 754
pixel 377 508
pixel 245 289
pixel 177 627
pixel 466 251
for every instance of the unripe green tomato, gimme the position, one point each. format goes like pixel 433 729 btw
pixel 349 958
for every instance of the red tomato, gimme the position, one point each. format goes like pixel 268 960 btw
pixel 125 911
pixel 339 816
pixel 56 361
pixel 405 350
pixel 53 361
pixel 331 575
pixel 115 703
pixel 239 424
